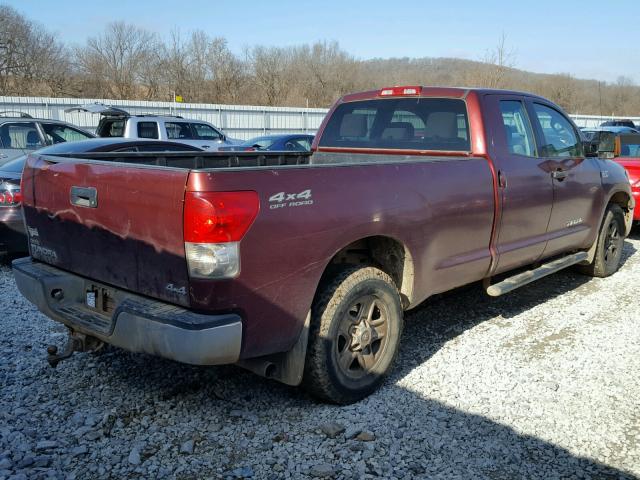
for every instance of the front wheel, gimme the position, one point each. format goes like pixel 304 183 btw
pixel 610 243
pixel 356 325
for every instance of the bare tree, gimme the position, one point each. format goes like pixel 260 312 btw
pixel 30 57
pixel 498 62
pixel 125 61
pixel 117 57
pixel 269 67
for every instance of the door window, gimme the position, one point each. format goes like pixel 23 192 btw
pixel 206 132
pixel 517 128
pixel 148 130
pixel 559 136
pixel 178 131
pixel 23 135
pixel 57 133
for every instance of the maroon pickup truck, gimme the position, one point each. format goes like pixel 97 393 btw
pixel 299 267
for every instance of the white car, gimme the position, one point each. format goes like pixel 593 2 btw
pixel 116 122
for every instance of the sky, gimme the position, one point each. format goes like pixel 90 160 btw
pixel 589 39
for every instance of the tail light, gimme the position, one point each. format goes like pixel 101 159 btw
pixel 400 91
pixel 10 195
pixel 214 224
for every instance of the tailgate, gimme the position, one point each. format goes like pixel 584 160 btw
pixel 116 223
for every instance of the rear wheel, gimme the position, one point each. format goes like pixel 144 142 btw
pixel 610 243
pixel 355 331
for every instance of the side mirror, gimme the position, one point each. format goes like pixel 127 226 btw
pixel 606 144
pixel 590 148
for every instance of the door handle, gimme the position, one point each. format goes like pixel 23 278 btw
pixel 559 175
pixel 502 179
pixel 205 146
pixel 4 155
pixel 84 197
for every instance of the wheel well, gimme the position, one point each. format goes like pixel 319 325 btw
pixel 386 253
pixel 623 200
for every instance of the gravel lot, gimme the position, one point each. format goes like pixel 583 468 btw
pixel 542 383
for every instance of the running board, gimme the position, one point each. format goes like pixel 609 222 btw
pixel 529 276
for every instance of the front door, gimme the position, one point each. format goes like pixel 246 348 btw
pixel 577 191
pixel 525 187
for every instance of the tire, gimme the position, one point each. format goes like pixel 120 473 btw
pixel 356 323
pixel 610 243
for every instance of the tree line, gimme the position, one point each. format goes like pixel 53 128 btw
pixel 128 62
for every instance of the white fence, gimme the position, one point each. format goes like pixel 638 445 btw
pixel 596 120
pixel 238 121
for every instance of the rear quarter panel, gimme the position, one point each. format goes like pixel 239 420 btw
pixel 442 211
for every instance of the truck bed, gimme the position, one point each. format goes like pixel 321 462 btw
pixel 198 160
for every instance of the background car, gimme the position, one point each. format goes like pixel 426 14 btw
pixel 116 122
pixel 13 238
pixel 20 133
pixel 626 152
pixel 291 142
pixel 619 123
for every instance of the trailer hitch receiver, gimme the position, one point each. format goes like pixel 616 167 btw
pixel 76 342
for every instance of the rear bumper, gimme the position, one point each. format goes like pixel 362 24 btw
pixel 135 323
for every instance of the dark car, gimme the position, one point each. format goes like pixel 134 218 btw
pixel 12 234
pixel 619 123
pixel 20 134
pixel 281 143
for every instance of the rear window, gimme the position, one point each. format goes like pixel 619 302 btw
pixel 260 142
pixel 111 128
pixel 402 123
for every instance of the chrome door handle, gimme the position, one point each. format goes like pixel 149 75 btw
pixel 4 155
pixel 84 197
pixel 559 174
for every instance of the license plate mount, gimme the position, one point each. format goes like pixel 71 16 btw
pixel 91 298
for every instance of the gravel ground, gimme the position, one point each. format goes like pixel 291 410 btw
pixel 541 383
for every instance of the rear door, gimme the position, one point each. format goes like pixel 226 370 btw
pixel 577 182
pixel 525 187
pixel 18 138
pixel 111 222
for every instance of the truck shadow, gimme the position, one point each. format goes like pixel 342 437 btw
pixel 414 433
pixel 445 316
pixel 424 432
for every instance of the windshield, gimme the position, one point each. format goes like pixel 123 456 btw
pixel 261 142
pixel 14 166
